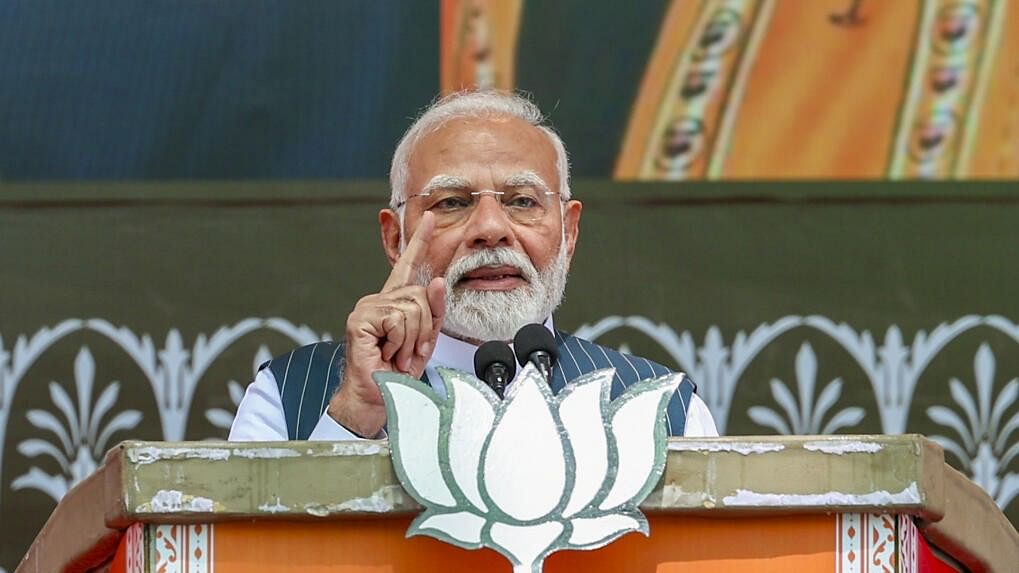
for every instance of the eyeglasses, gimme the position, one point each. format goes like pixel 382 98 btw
pixel 525 205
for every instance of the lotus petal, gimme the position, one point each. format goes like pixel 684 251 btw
pixel 953 447
pixel 84 376
pixel 638 426
pixel 106 399
pixel 845 417
pixel 1009 489
pixel 525 544
pixel 46 421
pixel 461 528
pixel 768 417
pixel 962 397
pixel 62 400
pixel 473 414
pixel 33 447
pixel 1005 399
pixel 785 399
pixel 580 409
pixel 825 401
pixel 595 532
pixel 1006 432
pixel 219 417
pixel 54 486
pixel 806 377
pixel 412 411
pixel 524 460
pixel 946 417
pixel 125 420
pixel 236 391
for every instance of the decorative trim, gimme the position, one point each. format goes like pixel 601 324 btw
pixel 952 63
pixel 134 554
pixel 697 105
pixel 172 371
pixel 734 99
pixel 200 547
pixel 865 543
pixel 478 41
pixel 879 546
pixel 848 535
pixel 182 548
pixel 166 548
pixel 909 539
pixel 979 415
pixel 986 71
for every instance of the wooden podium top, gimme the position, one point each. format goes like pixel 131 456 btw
pixel 206 482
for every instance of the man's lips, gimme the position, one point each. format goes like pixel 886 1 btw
pixel 493 278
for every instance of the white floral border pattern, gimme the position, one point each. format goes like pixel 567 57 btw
pixel 909 540
pixel 983 424
pixel 173 372
pixel 181 548
pixel 134 556
pixel 866 543
pixel 984 430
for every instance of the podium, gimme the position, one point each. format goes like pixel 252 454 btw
pixel 804 503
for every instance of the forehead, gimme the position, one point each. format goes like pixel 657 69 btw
pixel 483 148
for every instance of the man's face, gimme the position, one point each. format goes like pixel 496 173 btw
pixel 489 154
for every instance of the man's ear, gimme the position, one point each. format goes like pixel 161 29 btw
pixel 571 225
pixel 389 226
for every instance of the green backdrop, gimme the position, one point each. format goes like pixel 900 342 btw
pixel 796 307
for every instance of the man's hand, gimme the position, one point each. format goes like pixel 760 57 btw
pixel 394 330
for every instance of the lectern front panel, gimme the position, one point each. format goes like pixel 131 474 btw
pixel 843 543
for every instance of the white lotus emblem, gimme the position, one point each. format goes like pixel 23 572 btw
pixel 534 473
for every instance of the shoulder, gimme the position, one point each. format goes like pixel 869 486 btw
pixel 315 361
pixel 579 356
pixel 584 355
pixel 305 378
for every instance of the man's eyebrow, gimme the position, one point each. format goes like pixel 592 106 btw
pixel 526 179
pixel 443 181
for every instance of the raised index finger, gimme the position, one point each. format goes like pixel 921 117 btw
pixel 413 256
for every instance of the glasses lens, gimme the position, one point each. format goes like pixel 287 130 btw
pixel 452 206
pixel 526 205
pixel 449 205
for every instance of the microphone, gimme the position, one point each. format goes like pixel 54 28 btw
pixel 494 363
pixel 535 344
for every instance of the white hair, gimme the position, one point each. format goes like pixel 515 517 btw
pixel 472 104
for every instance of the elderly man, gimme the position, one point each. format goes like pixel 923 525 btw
pixel 480 233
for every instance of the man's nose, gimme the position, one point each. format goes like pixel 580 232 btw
pixel 489 225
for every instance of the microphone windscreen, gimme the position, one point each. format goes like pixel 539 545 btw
pixel 532 338
pixel 491 352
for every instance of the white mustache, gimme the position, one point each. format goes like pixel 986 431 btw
pixel 501 256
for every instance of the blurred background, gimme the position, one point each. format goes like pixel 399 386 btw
pixel 808 206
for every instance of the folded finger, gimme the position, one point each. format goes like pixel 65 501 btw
pixel 412 316
pixel 426 325
pixel 394 333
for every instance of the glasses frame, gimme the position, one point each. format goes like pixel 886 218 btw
pixel 478 194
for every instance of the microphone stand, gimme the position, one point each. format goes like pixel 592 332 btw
pixel 497 376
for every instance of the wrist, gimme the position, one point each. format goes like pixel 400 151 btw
pixel 361 419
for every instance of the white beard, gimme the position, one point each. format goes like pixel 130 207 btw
pixel 497 315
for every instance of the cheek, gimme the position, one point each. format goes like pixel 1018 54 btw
pixel 441 252
pixel 543 248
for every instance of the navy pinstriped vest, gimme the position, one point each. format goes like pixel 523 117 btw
pixel 308 376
